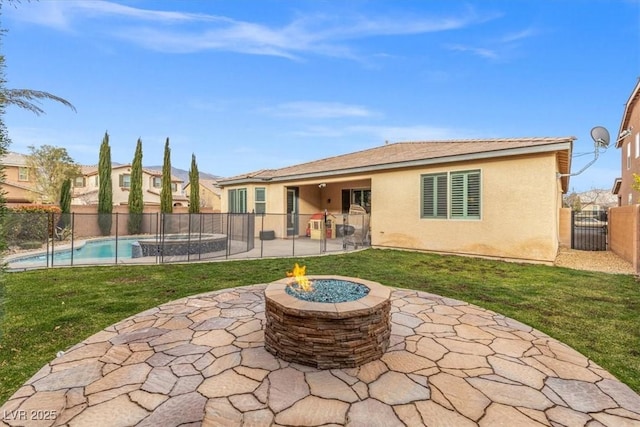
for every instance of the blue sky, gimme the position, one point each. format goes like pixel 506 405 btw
pixel 247 85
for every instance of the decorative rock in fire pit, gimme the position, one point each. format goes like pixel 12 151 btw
pixel 327 335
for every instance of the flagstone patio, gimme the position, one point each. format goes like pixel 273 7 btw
pixel 201 361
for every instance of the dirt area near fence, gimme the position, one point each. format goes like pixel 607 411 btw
pixel 604 261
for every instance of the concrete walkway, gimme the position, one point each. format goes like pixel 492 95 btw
pixel 201 361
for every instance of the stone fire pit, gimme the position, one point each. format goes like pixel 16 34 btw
pixel 327 335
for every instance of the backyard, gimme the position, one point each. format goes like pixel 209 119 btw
pixel 45 311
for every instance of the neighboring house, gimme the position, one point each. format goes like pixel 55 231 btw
pixel 630 150
pixel 599 199
pixel 494 197
pixel 209 193
pixel 597 202
pixel 85 188
pixel 19 185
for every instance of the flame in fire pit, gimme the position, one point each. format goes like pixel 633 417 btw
pixel 298 273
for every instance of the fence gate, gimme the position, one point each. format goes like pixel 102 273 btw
pixel 589 231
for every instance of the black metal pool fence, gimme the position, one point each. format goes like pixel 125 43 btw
pixel 45 239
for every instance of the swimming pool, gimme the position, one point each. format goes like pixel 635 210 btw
pixel 130 249
pixel 95 251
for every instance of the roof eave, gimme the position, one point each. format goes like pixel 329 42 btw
pixel 616 186
pixel 547 148
pixel 626 115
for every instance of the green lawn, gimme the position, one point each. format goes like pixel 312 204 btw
pixel 598 314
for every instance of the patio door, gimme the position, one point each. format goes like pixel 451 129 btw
pixel 292 211
pixel 356 196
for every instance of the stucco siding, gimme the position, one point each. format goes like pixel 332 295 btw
pixel 17 195
pixel 16 190
pixel 629 150
pixel 521 198
pixel 565 227
pixel 519 211
pixel 11 173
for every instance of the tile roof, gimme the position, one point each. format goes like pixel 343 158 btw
pixel 211 185
pixel 89 169
pixel 174 197
pixel 403 154
pixel 13 159
pixel 93 170
pixel 18 159
pixel 21 185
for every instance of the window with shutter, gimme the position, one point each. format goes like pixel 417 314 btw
pixel 242 199
pixel 473 195
pixel 454 195
pixel 232 200
pixel 465 195
pixel 434 196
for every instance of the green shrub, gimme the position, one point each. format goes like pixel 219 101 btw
pixel 33 223
pixel 30 244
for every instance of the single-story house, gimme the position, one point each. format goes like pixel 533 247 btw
pixel 484 197
pixel 209 193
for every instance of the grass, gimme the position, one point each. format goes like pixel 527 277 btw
pixel 44 311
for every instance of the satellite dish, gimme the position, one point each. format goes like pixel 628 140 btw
pixel 600 136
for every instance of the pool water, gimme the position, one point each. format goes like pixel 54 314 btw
pixel 97 249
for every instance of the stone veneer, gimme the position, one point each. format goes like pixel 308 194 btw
pixel 327 335
pixel 180 244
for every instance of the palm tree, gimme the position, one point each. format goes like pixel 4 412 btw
pixel 29 99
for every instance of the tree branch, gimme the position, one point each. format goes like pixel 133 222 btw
pixel 29 99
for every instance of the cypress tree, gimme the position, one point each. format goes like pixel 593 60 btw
pixel 105 187
pixel 194 186
pixel 136 202
pixel 65 203
pixel 166 196
pixel 4 148
pixel 4 134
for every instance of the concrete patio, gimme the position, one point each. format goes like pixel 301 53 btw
pixel 201 361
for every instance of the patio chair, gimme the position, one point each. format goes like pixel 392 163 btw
pixel 358 219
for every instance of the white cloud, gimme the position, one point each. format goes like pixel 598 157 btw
pixel 497 48
pixel 101 8
pixel 65 14
pixel 410 133
pixel 179 32
pixel 385 133
pixel 319 110
pixel 519 35
pixel 319 132
pixel 479 51
pixel 47 14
